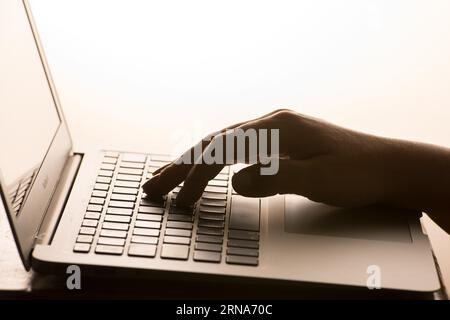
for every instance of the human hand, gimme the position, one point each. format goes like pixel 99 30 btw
pixel 318 160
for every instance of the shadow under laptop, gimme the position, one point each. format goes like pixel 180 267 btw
pixel 115 285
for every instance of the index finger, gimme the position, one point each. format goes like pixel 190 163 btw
pixel 171 175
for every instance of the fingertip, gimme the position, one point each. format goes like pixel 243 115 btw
pixel 185 199
pixel 150 187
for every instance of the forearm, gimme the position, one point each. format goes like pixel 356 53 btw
pixel 419 178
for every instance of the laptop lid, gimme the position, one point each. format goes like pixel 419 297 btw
pixel 34 138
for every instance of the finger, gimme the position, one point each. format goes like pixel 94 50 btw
pixel 161 168
pixel 165 181
pixel 293 177
pixel 168 177
pixel 196 182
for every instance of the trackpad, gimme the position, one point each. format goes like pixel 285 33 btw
pixel 306 217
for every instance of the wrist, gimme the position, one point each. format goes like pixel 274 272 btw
pixel 417 175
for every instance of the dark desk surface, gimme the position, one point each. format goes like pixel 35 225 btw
pixel 16 283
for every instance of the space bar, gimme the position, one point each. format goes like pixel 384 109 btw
pixel 244 213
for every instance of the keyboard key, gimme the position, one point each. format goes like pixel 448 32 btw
pixel 161 158
pixel 213 203
pixel 121 190
pixel 152 203
pixel 210 231
pixel 121 204
pixel 134 157
pixel 153 210
pixel 111 241
pixel 109 160
pixel 142 250
pixel 107 166
pixel 132 165
pixel 92 215
pixel 101 186
pixel 177 240
pixel 94 208
pixel 180 217
pixel 117 218
pixel 99 193
pixel 111 154
pixel 214 196
pixel 104 180
pixel 149 217
pixel 175 251
pixel 207 256
pixel 113 250
pixel 87 230
pixel 90 223
pixel 179 225
pixel 208 246
pixel 106 173
pixel 243 243
pixel 221 176
pixel 95 200
pixel 244 213
pixel 137 172
pixel 147 224
pixel 243 235
pixel 242 252
pixel 209 239
pixel 251 261
pixel 216 189
pixel 113 233
pixel 211 223
pixel 128 177
pixel 178 232
pixel 144 239
pixel 184 211
pixel 120 211
pixel 146 232
pixel 220 210
pixel 85 239
pixel 115 226
pixel 212 216
pixel 82 247
pixel 127 184
pixel 225 170
pixel 123 197
pixel 218 183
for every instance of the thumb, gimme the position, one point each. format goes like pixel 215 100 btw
pixel 290 178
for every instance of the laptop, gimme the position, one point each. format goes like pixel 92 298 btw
pixel 87 208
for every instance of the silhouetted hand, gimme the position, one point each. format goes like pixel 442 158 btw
pixel 326 163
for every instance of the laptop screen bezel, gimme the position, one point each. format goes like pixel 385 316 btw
pixel 25 226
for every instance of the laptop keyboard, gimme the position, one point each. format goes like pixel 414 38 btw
pixel 119 220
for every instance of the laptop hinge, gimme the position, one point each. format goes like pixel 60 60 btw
pixel 59 199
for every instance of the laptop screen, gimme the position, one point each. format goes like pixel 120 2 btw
pixel 28 115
